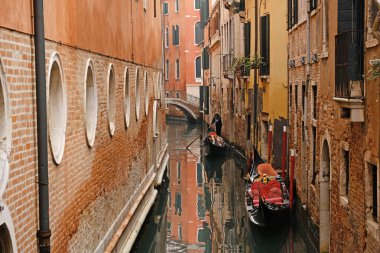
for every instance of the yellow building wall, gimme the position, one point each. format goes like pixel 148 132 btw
pixel 274 88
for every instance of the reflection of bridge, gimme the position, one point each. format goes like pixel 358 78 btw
pixel 187 103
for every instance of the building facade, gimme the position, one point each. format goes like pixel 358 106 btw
pixel 183 57
pixel 266 30
pixel 105 105
pixel 334 119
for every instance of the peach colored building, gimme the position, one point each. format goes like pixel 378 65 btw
pixel 182 56
pixel 187 211
pixel 105 113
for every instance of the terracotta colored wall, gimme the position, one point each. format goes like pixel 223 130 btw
pixel 187 51
pixel 117 28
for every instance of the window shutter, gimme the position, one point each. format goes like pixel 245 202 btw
pixel 295 14
pixel 264 50
pixel 174 34
pixel 247 39
pixel 290 8
pixel 206 59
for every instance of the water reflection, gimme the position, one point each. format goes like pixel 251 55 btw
pixel 204 208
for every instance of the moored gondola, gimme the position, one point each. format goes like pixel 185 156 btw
pixel 267 198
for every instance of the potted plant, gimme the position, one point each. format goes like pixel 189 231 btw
pixel 374 71
pixel 242 65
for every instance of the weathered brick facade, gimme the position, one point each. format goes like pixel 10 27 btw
pixel 92 186
pixel 341 212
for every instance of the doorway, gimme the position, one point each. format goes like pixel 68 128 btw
pixel 325 199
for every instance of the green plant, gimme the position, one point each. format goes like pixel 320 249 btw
pixel 374 71
pixel 245 64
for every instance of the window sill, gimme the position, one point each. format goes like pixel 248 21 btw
pixel 324 55
pixel 344 201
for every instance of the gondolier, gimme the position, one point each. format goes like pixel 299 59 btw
pixel 217 121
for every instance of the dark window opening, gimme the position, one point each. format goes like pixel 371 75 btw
pixel 197 4
pixel 198 67
pixel 315 108
pixel 247 39
pixel 313 4
pixel 349 55
pixel 374 193
pixel 314 176
pixel 166 8
pixel 249 127
pixel 346 164
pixel 265 45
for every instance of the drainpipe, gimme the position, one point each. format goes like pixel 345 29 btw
pixel 255 85
pixel 44 233
pixel 306 93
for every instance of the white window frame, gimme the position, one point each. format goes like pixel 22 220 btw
pixel 176 6
pixel 199 5
pixel 167 63
pixel 195 32
pixel 167 4
pixel 58 151
pixel 90 120
pixel 127 97
pixel 166 37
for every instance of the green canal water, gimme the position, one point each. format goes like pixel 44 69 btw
pixel 200 206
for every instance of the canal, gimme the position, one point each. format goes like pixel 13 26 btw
pixel 200 206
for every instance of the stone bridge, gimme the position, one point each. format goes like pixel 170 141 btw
pixel 187 103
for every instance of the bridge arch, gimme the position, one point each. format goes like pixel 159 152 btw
pixel 186 108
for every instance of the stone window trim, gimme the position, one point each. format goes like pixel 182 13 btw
pixel 90 120
pixel 155 120
pixel 5 131
pixel 7 223
pixel 137 93
pixel 146 92
pixel 57 112
pixel 344 200
pixel 111 100
pixel 372 226
pixel 127 97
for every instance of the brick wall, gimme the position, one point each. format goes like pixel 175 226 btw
pixel 91 185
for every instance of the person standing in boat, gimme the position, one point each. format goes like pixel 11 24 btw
pixel 217 120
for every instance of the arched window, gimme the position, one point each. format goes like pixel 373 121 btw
pixel 146 93
pixel 57 108
pixel 5 132
pixel 137 93
pixel 198 35
pixel 198 67
pixel 127 101
pixel 111 99
pixel 177 69
pixel 167 69
pixel 90 103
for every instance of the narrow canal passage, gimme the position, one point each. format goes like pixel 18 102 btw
pixel 201 206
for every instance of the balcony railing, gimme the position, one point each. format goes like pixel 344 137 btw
pixel 349 64
pixel 191 99
pixel 227 62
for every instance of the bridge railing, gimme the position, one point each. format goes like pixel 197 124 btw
pixel 191 99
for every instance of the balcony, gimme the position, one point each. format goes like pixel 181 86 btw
pixel 349 69
pixel 227 66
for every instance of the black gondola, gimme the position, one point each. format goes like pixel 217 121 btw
pixel 214 144
pixel 267 198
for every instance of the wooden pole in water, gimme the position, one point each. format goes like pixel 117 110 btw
pixel 291 177
pixel 283 152
pixel 270 142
